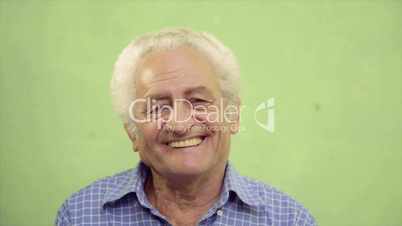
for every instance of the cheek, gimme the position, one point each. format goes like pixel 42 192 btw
pixel 146 142
pixel 148 133
pixel 212 118
pixel 224 138
pixel 220 139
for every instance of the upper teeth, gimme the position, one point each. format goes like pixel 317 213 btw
pixel 186 143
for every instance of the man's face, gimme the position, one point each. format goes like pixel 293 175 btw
pixel 186 136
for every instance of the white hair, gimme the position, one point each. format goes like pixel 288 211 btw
pixel 222 59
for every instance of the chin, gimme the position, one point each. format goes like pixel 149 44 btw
pixel 189 168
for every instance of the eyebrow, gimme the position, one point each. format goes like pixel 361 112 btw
pixel 158 96
pixel 199 89
pixel 188 92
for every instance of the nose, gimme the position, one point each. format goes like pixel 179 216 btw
pixel 181 121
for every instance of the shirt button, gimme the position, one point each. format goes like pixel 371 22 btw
pixel 219 213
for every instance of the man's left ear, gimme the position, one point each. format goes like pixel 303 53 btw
pixel 235 121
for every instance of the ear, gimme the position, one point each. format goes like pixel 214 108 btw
pixel 131 134
pixel 235 124
pixel 234 128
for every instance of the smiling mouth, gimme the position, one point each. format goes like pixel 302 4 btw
pixel 194 141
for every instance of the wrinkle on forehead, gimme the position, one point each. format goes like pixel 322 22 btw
pixel 170 69
pixel 149 77
pixel 149 80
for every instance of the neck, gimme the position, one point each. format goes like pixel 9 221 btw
pixel 184 198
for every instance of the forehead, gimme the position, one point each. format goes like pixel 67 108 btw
pixel 175 71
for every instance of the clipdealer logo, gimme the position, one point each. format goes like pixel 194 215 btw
pixel 268 107
pixel 212 113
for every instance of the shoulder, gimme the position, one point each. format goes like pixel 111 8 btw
pixel 89 200
pixel 97 190
pixel 276 205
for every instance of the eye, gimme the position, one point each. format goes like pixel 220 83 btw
pixel 159 108
pixel 199 101
pixel 154 109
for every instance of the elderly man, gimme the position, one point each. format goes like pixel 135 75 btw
pixel 177 92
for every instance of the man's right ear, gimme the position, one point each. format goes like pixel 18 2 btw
pixel 131 134
pixel 129 131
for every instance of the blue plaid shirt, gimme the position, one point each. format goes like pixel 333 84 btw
pixel 121 200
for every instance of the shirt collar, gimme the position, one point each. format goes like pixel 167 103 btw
pixel 134 183
pixel 234 182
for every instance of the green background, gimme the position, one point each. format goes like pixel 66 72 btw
pixel 333 67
